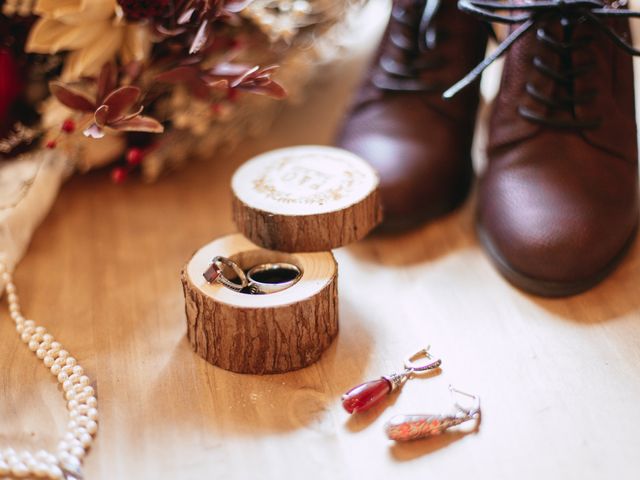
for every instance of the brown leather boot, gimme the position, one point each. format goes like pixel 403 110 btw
pixel 419 143
pixel 558 203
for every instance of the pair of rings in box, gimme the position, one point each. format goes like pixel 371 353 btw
pixel 264 278
pixel 292 207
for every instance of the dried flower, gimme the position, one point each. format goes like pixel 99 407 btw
pixel 112 107
pixel 196 17
pixel 225 76
pixel 91 31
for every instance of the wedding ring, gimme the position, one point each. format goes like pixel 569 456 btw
pixel 273 277
pixel 215 273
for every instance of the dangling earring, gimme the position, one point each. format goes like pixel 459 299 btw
pixel 402 428
pixel 366 395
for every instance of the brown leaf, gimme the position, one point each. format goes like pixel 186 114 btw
pixel 189 76
pixel 120 101
pixel 106 81
pixel 71 97
pixel 138 124
pixel 272 89
pixel 101 116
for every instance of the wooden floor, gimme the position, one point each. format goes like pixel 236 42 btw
pixel 559 379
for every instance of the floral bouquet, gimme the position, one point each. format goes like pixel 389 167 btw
pixel 147 84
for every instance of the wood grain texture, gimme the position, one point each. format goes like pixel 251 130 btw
pixel 559 378
pixel 261 334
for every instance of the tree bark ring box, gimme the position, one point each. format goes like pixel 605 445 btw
pixel 292 205
pixel 260 334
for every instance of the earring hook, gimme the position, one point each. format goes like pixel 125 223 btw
pixel 414 367
pixel 474 410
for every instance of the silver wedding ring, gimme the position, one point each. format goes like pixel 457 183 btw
pixel 215 273
pixel 272 277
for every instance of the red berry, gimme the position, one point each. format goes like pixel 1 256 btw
pixel 119 174
pixel 51 144
pixel 135 156
pixel 68 126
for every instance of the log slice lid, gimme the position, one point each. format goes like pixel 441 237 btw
pixel 306 199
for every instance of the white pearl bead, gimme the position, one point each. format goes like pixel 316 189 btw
pixel 70 395
pixel 17 317
pixel 68 385
pixel 40 353
pixel 47 338
pixel 84 380
pixel 42 455
pixel 48 361
pixel 13 308
pixel 82 420
pixel 89 391
pixel 12 298
pixel 72 425
pixel 11 288
pixel 74 378
pixel 56 346
pixel 25 456
pixel 19 470
pixel 59 361
pixel 54 472
pixel 29 324
pixel 67 369
pixel 34 345
pixel 63 377
pixel 92 427
pixel 41 330
pixel 91 402
pixel 78 388
pixel 71 361
pixel 81 397
pixel 53 353
pixel 4 468
pixel 78 369
pixel 69 460
pixel 63 354
pixel 20 326
pixel 41 470
pixel 85 439
pixel 63 446
pixel 92 413
pixel 6 277
pixel 77 451
pixel 25 336
pixel 55 369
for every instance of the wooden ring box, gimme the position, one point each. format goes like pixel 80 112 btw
pixel 291 205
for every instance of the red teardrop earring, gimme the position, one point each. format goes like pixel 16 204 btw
pixel 366 395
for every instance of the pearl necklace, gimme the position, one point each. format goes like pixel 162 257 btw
pixel 81 401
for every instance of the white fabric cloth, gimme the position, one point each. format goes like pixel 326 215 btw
pixel 28 188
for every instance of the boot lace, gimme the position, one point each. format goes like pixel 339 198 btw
pixel 529 15
pixel 413 38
